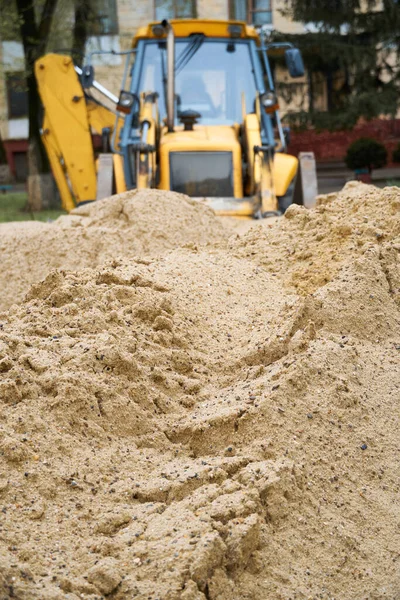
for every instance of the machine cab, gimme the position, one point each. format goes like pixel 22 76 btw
pixel 206 91
pixel 214 77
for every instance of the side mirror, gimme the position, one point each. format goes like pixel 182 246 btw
pixel 294 62
pixel 87 76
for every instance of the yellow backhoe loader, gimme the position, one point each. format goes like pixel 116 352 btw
pixel 197 114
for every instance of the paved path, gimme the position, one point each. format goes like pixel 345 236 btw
pixel 332 176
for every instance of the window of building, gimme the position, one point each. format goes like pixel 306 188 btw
pixel 175 9
pixel 256 12
pixel 260 12
pixel 104 20
pixel 17 95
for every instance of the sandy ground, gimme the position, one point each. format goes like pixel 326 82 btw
pixel 135 225
pixel 242 225
pixel 188 412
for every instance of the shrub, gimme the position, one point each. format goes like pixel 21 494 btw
pixel 396 154
pixel 366 153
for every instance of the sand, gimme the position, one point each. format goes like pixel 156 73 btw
pixel 131 224
pixel 309 247
pixel 211 418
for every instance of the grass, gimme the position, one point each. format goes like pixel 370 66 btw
pixel 13 208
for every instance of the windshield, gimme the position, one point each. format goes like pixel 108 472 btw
pixel 211 77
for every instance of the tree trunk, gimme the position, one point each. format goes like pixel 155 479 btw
pixel 3 156
pixel 310 91
pixel 37 157
pixel 5 174
pixel 34 40
pixel 329 90
pixel 83 11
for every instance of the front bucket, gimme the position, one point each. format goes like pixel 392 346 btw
pixel 232 207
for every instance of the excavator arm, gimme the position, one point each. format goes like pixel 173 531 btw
pixel 69 118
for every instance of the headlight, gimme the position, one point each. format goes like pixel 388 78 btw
pixel 270 102
pixel 125 101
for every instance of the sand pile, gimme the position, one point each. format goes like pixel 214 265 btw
pixel 192 427
pixel 131 224
pixel 311 246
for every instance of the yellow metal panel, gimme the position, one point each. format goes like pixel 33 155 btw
pixel 185 27
pixel 229 207
pixel 66 113
pixel 53 153
pixel 252 138
pixel 119 176
pixel 284 169
pixel 100 117
pixel 202 139
pixel 269 202
pixel 261 173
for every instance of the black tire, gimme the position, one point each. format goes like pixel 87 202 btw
pixel 285 201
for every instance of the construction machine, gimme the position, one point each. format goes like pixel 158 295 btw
pixel 197 114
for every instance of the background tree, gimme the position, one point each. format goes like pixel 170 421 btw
pixel 42 26
pixel 84 16
pixel 366 153
pixel 34 32
pixel 3 158
pixel 9 26
pixel 353 45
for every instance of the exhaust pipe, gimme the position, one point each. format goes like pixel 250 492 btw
pixel 170 75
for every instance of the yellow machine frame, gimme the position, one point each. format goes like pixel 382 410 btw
pixel 69 120
pixel 71 117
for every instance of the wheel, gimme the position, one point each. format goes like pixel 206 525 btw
pixel 285 201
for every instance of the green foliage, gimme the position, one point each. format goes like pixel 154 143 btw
pixel 62 33
pixel 321 121
pixel 396 154
pixel 366 153
pixel 9 21
pixel 41 28
pixel 352 46
pixel 331 14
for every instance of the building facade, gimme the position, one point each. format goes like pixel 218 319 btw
pixel 113 29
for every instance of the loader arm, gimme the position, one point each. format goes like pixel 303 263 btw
pixel 66 130
pixel 55 159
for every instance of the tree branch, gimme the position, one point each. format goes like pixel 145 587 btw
pixel 83 14
pixel 45 24
pixel 28 29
